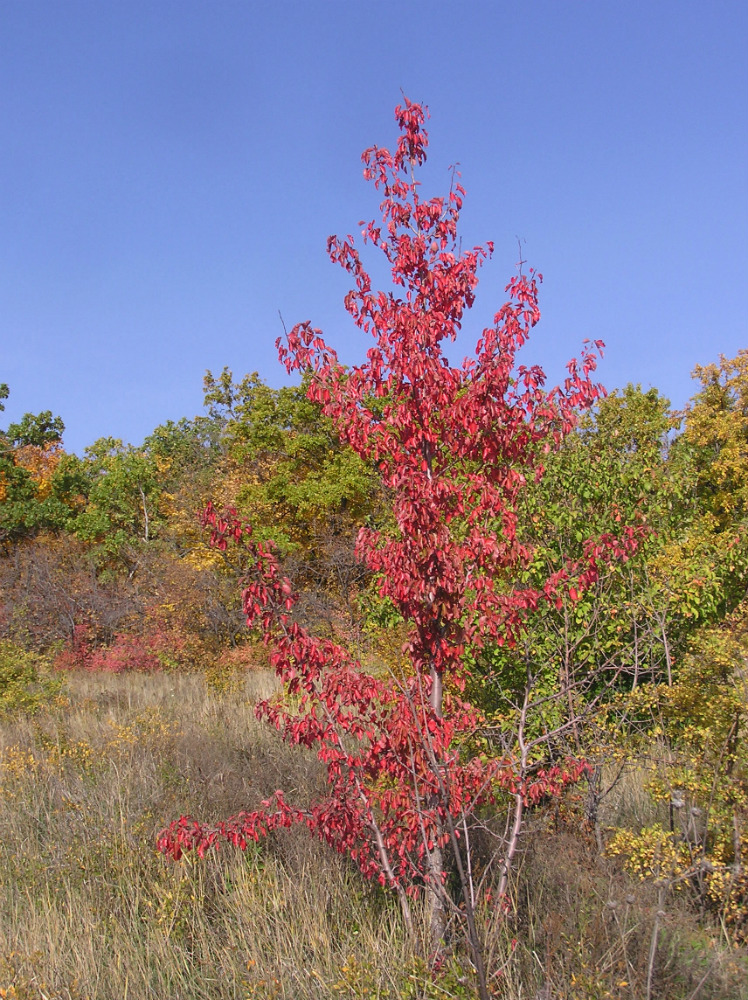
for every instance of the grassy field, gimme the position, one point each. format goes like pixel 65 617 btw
pixel 91 910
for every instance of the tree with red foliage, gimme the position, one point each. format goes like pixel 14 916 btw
pixel 454 446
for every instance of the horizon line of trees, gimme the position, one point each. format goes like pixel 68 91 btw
pixel 123 514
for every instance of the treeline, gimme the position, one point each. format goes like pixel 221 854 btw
pixel 110 543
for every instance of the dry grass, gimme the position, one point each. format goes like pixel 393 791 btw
pixel 91 910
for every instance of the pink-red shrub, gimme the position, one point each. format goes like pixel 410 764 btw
pixel 125 653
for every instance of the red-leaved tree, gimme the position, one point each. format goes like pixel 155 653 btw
pixel 454 445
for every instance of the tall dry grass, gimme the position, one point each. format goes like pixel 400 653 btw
pixel 91 910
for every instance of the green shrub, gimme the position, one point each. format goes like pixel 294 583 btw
pixel 25 684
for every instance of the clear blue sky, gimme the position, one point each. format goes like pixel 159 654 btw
pixel 171 171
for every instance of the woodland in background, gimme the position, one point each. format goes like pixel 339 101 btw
pixel 107 550
pixel 103 558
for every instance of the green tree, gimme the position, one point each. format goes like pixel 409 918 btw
pixel 186 455
pixel 36 429
pixel 286 470
pixel 612 470
pixel 631 461
pixel 123 491
pixel 30 452
pixel 19 511
pixel 632 626
pixel 715 435
pixel 291 472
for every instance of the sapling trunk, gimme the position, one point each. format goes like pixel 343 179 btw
pixel 437 916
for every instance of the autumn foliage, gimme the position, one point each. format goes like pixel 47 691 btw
pixel 454 447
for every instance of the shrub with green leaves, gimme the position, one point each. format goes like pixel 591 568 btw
pixel 26 686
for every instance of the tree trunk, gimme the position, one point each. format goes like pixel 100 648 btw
pixel 436 911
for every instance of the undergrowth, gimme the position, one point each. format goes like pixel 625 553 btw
pixel 92 912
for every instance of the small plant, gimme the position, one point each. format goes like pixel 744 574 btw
pixel 157 648
pixel 26 686
pixel 127 652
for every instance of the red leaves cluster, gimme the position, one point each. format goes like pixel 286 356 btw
pixel 125 653
pixel 386 752
pixel 454 445
pixel 393 764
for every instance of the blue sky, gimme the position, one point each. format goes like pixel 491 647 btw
pixel 171 172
